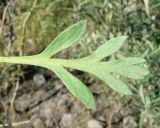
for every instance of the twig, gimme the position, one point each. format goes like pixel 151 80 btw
pixel 146 2
pixel 4 16
pixel 111 116
pixel 14 96
pixel 15 124
pixel 24 25
pixel 100 19
pixel 2 105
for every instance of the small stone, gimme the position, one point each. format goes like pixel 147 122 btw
pixel 93 124
pixel 39 79
pixel 129 122
pixel 37 122
pixel 67 121
pixel 22 102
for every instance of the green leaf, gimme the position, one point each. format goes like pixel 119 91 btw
pixel 134 71
pixel 112 81
pixel 115 83
pixel 126 61
pixel 65 39
pixel 109 79
pixel 98 69
pixel 75 86
pixel 107 71
pixel 126 67
pixel 106 49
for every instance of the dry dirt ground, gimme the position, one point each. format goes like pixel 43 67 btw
pixel 46 103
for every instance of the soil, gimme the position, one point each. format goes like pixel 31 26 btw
pixel 46 103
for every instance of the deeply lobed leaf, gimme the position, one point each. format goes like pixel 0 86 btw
pixel 115 83
pixel 106 71
pixel 134 71
pixel 98 70
pixel 128 67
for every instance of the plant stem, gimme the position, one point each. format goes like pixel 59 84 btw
pixel 19 60
pixel 16 124
pixel 43 61
pixel 35 60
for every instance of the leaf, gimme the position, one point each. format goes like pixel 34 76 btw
pixel 126 61
pixel 115 83
pixel 98 69
pixel 134 71
pixel 106 71
pixel 109 79
pixel 75 86
pixel 106 49
pixel 65 39
pixel 146 2
pixel 112 81
pixel 126 67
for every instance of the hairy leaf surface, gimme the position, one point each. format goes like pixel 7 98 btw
pixel 106 49
pixel 75 86
pixel 65 39
pixel 98 69
pixel 127 67
pixel 109 72
pixel 115 83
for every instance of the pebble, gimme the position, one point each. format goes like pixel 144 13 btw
pixel 93 124
pixel 67 121
pixel 22 102
pixel 37 122
pixel 129 122
pixel 39 79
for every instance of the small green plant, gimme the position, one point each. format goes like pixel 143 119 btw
pixel 106 71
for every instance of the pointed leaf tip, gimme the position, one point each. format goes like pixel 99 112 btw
pixel 115 83
pixel 65 39
pixel 75 86
pixel 106 49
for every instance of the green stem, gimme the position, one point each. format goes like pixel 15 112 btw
pixel 19 60
pixel 43 61
pixel 30 60
pixel 35 60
